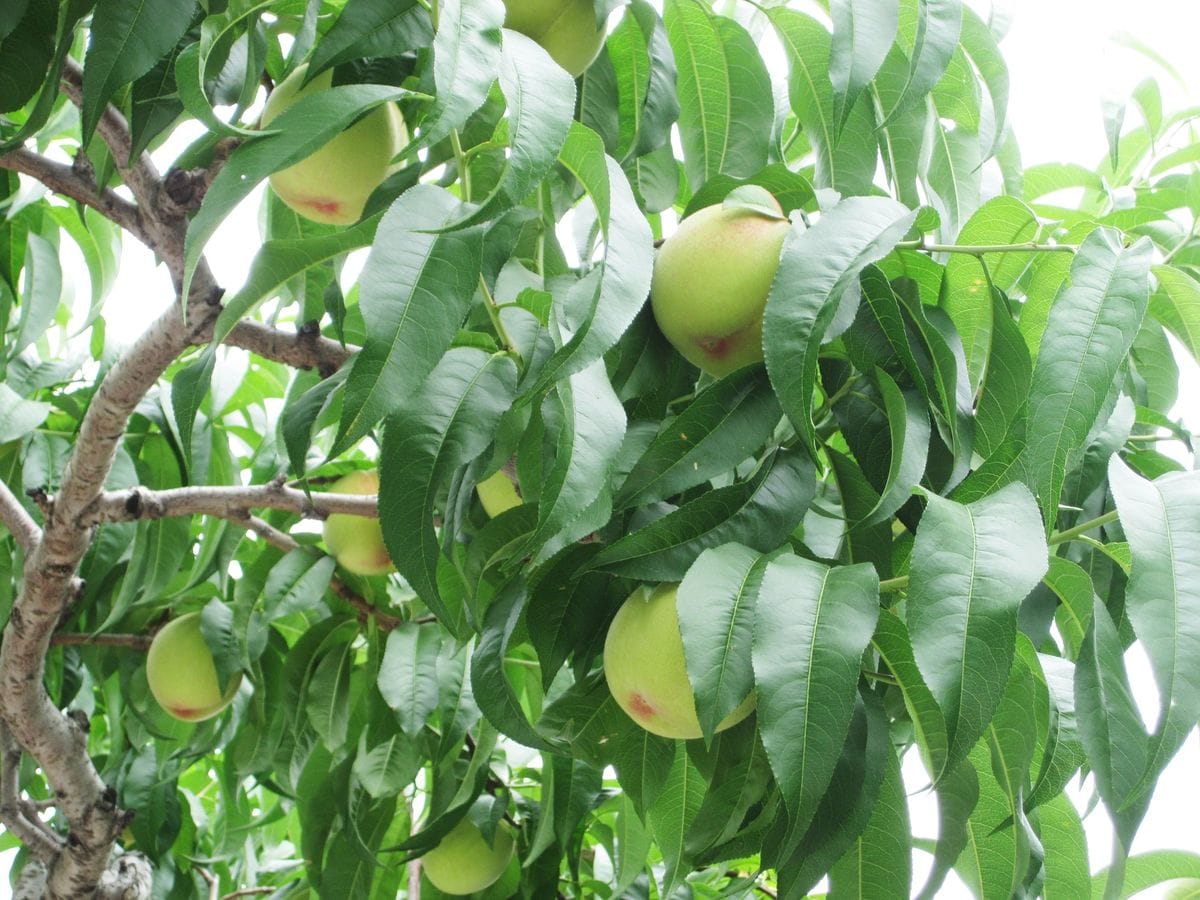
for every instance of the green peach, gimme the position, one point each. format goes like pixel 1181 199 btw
pixel 645 667
pixel 710 285
pixel 463 863
pixel 332 184
pixel 357 541
pixel 566 29
pixel 181 672
pixel 497 494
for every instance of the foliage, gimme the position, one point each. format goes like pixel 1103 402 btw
pixel 933 521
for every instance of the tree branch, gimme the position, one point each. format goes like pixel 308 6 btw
pixel 78 185
pixel 18 817
pixel 126 641
pixel 14 517
pixel 304 349
pixel 226 502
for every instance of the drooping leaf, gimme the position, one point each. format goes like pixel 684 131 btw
pixel 816 269
pixel 972 565
pixel 811 627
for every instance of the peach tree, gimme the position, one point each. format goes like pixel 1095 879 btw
pixel 914 515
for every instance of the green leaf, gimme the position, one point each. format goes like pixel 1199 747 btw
pixel 760 512
pixel 414 293
pixel 846 808
pixel 280 260
pixel 1006 379
pixel 908 424
pixel 11 15
pixel 388 767
pixel 1110 727
pixel 1077 596
pixel 372 28
pixel 466 58
pixel 1176 304
pixel 817 269
pixel 1066 849
pixel 439 428
pixel 300 130
pixel 541 101
pixel 863 33
pixel 408 677
pixel 811 627
pixel 646 76
pixel 724 425
pixel 1149 869
pixel 846 156
pixel 673 813
pixel 935 38
pixel 127 39
pixel 1161 520
pixel 1092 326
pixel 966 289
pixel 18 416
pixel 972 565
pixel 726 106
pixel 588 440
pixel 42 293
pixel 879 863
pixel 490 685
pixel 980 46
pixel 957 793
pixel 328 697
pixel 892 643
pixel 716 619
pixel 620 291
pixel 995 858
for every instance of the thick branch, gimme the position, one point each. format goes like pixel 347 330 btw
pixel 304 349
pixel 78 185
pixel 226 502
pixel 139 174
pixel 14 517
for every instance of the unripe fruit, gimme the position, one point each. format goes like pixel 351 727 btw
pixel 645 667
pixel 566 29
pixel 464 863
pixel 357 541
pixel 182 674
pixel 497 494
pixel 710 285
pixel 332 184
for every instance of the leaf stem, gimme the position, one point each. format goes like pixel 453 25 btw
pixel 981 249
pixel 460 160
pixel 1071 533
pixel 891 585
pixel 493 311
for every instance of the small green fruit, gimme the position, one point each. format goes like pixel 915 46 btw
pixel 357 541
pixel 710 285
pixel 645 667
pixel 181 672
pixel 566 29
pixel 332 184
pixel 497 494
pixel 464 863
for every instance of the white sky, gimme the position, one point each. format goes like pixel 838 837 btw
pixel 1062 64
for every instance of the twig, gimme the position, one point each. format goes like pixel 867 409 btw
pixel 285 542
pixel 19 817
pixel 126 641
pixel 981 249
pixel 1071 533
pixel 214 887
pixel 225 502
pixel 248 892
pixel 14 517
